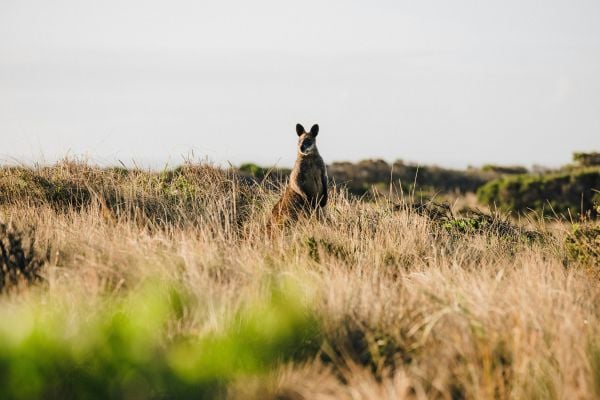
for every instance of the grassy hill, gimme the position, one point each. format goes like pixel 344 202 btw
pixel 133 284
pixel 569 191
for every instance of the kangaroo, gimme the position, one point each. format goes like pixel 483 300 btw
pixel 307 189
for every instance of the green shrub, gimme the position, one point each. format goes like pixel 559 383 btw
pixel 504 170
pixel 564 193
pixel 465 225
pixel 587 159
pixel 254 170
pixel 472 221
pixel 317 247
pixel 583 244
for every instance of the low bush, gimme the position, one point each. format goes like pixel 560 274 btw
pixel 563 193
pixel 471 221
pixel 504 170
pixel 583 244
pixel 587 159
pixel 360 178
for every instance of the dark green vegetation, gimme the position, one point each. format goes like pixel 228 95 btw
pixel 370 176
pixel 569 191
pixel 587 159
pixel 19 263
pixel 574 192
pixel 504 170
pixel 583 244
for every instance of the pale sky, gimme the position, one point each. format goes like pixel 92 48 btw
pixel 446 82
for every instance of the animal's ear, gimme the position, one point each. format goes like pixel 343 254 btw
pixel 314 130
pixel 299 129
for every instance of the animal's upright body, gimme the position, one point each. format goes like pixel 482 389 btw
pixel 306 192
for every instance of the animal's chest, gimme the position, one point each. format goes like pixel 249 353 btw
pixel 310 182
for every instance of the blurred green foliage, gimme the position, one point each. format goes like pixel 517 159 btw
pixel 253 170
pixel 121 351
pixel 256 173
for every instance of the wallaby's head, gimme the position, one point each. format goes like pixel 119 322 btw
pixel 307 141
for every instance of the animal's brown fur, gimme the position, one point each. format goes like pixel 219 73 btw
pixel 306 192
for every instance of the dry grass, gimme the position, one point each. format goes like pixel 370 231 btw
pixel 408 309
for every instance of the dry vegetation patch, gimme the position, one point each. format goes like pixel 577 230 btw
pixel 379 301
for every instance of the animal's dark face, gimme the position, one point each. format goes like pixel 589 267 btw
pixel 307 141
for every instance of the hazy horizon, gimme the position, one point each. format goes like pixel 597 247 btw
pixel 174 161
pixel 457 84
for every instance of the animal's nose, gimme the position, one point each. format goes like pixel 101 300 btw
pixel 306 144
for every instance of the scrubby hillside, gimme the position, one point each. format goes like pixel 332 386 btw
pixel 368 177
pixel 571 190
pixel 130 284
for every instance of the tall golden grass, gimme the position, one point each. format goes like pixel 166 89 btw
pixel 407 308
